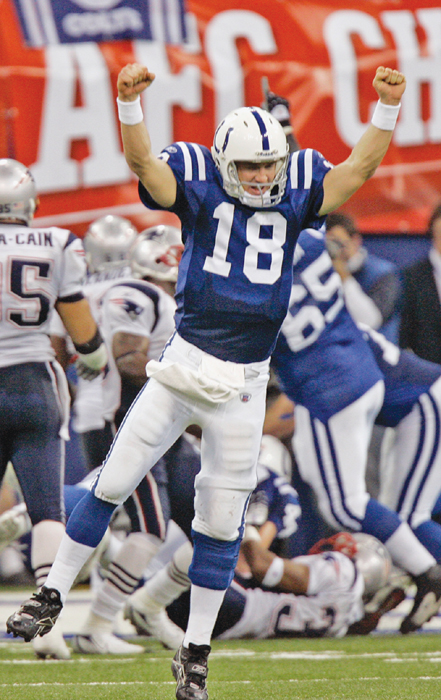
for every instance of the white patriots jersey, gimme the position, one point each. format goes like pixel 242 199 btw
pixel 139 308
pixel 236 270
pixel 321 357
pixel 329 613
pixel 38 266
pixel 88 409
pixel 96 285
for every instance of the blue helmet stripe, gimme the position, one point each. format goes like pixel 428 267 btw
pixel 263 131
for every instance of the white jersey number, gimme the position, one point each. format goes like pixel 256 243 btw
pixel 218 264
pixel 310 317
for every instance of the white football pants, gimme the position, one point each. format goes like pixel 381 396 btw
pixel 411 477
pixel 231 434
pixel 332 457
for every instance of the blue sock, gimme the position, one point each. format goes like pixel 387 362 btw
pixel 89 520
pixel 213 561
pixel 429 534
pixel 380 521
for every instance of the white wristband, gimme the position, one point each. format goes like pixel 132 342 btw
pixel 274 574
pixel 130 113
pixel 385 116
pixel 96 359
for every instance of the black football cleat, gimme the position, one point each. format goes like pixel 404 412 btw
pixel 190 670
pixel 36 616
pixel 427 600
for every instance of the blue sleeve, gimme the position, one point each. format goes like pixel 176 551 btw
pixel 174 157
pixel 285 511
pixel 320 167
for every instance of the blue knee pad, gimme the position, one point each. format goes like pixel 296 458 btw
pixel 89 520
pixel 213 561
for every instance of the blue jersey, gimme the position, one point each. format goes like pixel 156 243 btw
pixel 236 270
pixel 321 357
pixel 276 500
pixel 406 377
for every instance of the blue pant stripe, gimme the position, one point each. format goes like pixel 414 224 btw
pixel 415 461
pixel 322 470
pixel 434 450
pixel 338 477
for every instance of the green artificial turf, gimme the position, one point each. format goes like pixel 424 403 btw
pixel 354 668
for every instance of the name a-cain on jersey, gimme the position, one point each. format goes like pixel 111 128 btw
pixel 37 268
pixel 406 377
pixel 236 270
pixel 40 238
pixel 329 613
pixel 320 350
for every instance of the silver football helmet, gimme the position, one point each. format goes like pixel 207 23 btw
pixel 18 192
pixel 156 253
pixel 251 134
pixel 373 562
pixel 107 242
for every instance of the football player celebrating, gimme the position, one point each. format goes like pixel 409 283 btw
pixel 242 206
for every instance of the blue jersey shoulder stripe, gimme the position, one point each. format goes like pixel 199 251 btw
pixel 194 161
pixel 300 170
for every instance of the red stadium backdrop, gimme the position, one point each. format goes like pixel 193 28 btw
pixel 58 112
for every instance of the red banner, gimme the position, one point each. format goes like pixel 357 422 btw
pixel 58 112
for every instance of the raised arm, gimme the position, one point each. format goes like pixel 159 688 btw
pixel 341 182
pixel 156 176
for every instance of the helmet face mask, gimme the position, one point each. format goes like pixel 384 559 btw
pixel 156 253
pixel 18 192
pixel 107 242
pixel 251 135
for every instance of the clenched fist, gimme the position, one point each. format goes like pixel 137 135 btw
pixel 389 84
pixel 132 80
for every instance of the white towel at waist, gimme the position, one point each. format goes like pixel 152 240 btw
pixel 214 380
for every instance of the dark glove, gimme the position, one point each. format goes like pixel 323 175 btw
pixel 86 372
pixel 278 107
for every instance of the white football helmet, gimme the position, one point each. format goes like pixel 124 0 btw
pixel 373 562
pixel 156 253
pixel 251 134
pixel 274 455
pixel 18 192
pixel 107 242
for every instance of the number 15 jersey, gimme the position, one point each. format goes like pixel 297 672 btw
pixel 236 270
pixel 37 268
